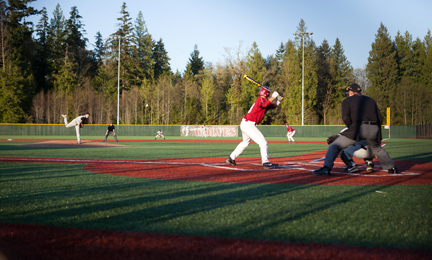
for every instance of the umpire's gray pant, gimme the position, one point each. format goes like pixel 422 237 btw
pixel 369 133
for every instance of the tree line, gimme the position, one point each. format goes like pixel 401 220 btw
pixel 50 69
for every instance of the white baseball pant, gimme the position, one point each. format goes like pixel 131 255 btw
pixel 290 136
pixel 250 131
pixel 75 123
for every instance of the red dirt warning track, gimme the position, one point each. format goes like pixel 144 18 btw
pixel 46 242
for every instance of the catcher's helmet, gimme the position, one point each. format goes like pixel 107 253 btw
pixel 264 91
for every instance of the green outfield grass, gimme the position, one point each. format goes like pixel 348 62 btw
pixel 66 195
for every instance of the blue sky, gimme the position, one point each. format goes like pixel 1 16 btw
pixel 216 25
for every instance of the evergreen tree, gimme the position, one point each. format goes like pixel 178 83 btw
pixel 42 53
pixel 341 70
pixel 3 34
pixel 125 32
pixel 310 84
pixel 195 65
pixel 65 80
pixel 280 52
pixel 161 59
pixel 145 62
pixel 290 78
pixel 96 55
pixel 255 68
pixel 17 80
pixel 382 70
pixel 56 41
pixel 76 42
pixel 99 50
pixel 13 85
pixel 325 91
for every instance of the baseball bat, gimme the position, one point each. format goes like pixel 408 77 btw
pixel 257 83
pixel 251 80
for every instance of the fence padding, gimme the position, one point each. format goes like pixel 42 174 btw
pixel 146 130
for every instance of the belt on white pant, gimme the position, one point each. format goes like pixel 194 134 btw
pixel 247 121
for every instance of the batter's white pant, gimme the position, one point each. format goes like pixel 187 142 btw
pixel 250 131
pixel 290 136
pixel 77 127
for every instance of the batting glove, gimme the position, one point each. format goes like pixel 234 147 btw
pixel 275 94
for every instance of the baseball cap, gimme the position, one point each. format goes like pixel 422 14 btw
pixel 354 88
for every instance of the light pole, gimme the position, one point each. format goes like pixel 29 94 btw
pixel 302 34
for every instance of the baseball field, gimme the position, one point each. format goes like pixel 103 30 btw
pixel 178 199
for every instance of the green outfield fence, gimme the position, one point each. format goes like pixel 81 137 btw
pixel 424 131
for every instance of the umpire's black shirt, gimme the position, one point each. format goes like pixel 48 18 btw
pixel 356 110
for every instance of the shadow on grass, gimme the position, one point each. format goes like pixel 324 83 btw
pixel 65 195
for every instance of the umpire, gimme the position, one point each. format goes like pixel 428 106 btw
pixel 363 119
pixel 110 130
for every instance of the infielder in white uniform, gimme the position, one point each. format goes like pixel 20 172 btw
pixel 290 133
pixel 78 123
pixel 160 135
pixel 250 131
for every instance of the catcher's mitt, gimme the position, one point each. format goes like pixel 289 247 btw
pixel 81 125
pixel 331 139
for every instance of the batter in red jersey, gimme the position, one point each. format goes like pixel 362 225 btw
pixel 290 133
pixel 250 131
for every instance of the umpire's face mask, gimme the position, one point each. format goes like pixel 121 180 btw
pixel 347 91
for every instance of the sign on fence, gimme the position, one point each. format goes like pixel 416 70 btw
pixel 209 131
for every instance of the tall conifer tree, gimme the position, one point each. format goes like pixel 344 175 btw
pixel 144 50
pixel 382 70
pixel 161 59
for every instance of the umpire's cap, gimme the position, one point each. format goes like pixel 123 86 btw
pixel 354 88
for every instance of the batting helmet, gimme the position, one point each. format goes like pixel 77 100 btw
pixel 264 91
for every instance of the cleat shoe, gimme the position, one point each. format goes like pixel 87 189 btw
pixel 393 170
pixel 64 116
pixel 322 171
pixel 345 169
pixel 231 161
pixel 269 165
pixel 353 168
pixel 369 167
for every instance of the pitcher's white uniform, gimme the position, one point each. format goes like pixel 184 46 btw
pixel 76 122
